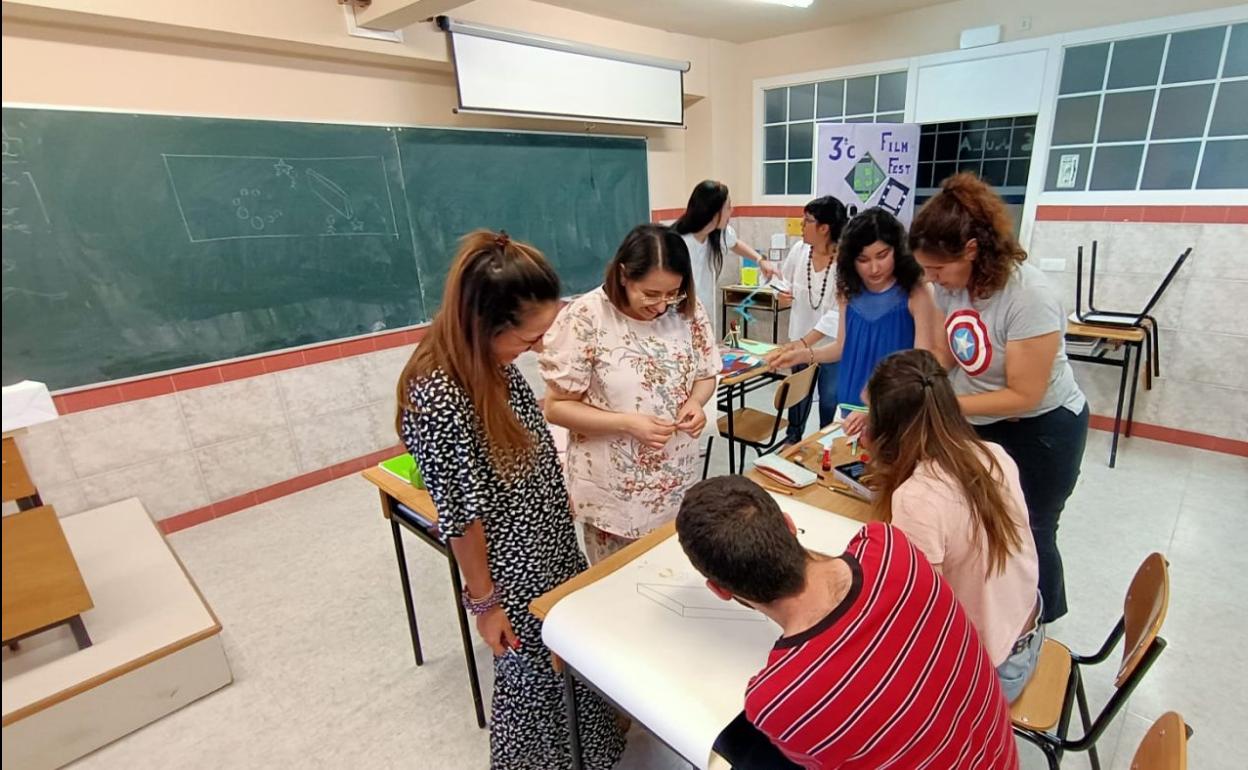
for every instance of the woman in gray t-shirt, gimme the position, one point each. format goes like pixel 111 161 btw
pixel 1006 333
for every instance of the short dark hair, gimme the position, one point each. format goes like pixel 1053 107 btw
pixel 645 248
pixel 735 535
pixel 829 211
pixel 874 224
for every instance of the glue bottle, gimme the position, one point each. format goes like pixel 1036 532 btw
pixel 827 460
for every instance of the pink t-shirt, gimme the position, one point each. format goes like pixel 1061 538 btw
pixel 931 509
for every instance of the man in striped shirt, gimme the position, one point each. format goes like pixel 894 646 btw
pixel 878 666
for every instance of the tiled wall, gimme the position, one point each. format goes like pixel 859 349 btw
pixel 192 449
pixel 1203 315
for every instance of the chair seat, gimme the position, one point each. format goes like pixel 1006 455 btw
pixel 751 426
pixel 1039 707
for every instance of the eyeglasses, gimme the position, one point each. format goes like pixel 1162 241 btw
pixel 663 299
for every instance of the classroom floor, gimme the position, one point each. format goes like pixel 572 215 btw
pixel 307 591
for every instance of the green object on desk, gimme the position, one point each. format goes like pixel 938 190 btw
pixel 757 348
pixel 404 466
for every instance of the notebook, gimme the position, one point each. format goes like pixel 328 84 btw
pixel 784 472
pixel 404 467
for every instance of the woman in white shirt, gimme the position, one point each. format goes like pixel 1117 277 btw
pixel 706 231
pixel 807 275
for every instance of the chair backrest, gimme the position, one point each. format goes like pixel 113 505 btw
pixel 1165 745
pixel 794 388
pixel 17 483
pixel 1143 612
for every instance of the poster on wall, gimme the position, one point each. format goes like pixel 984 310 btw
pixel 869 164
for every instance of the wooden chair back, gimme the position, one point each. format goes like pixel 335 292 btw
pixel 794 388
pixel 1165 745
pixel 1143 612
pixel 16 481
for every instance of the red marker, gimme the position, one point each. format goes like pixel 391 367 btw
pixel 827 459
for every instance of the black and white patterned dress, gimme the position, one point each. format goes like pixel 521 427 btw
pixel 531 545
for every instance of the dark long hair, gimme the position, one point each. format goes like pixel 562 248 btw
pixel 967 208
pixel 705 203
pixel 829 211
pixel 645 248
pixel 874 224
pixel 493 283
pixel 915 418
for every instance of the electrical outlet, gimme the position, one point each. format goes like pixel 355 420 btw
pixel 1053 265
pixel 1024 23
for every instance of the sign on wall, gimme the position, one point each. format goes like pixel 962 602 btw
pixel 869 164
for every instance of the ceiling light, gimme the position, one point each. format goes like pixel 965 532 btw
pixel 790 3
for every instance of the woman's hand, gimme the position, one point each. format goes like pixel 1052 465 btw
pixel 769 269
pixel 691 418
pixel 789 356
pixel 496 630
pixel 855 424
pixel 650 431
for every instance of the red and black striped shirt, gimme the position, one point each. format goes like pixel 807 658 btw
pixel 894 677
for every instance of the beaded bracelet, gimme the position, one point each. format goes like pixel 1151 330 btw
pixel 478 607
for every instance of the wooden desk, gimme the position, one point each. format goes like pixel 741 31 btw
pixel 759 298
pixel 42 585
pixel 735 386
pixel 809 454
pixel 1131 340
pixel 412 509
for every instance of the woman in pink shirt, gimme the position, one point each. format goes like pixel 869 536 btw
pixel 959 501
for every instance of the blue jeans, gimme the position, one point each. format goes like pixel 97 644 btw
pixel 825 386
pixel 1016 670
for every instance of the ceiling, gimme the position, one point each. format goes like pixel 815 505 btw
pixel 739 21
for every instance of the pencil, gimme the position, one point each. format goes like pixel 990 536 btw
pixel 777 490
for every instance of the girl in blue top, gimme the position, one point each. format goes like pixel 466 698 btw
pixel 884 306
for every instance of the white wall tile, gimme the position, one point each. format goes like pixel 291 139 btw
pixel 44 453
pixel 1216 306
pixel 1206 357
pixel 338 437
pixel 333 386
pixel 1147 248
pixel 382 418
pixel 1208 409
pixel 232 410
pixel 114 437
pixel 1221 253
pixel 380 371
pixel 1100 384
pixel 233 467
pixel 66 497
pixel 168 485
pixel 1059 240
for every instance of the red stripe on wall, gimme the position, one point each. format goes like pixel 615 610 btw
pixel 1228 446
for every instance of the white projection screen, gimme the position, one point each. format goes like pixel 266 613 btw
pixel 503 72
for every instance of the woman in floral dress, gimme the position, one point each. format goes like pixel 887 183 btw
pixel 629 368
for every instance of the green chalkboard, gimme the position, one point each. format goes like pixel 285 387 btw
pixel 134 244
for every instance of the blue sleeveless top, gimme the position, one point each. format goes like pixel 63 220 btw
pixel 876 325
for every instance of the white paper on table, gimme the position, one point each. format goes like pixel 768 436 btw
pixel 832 435
pixel 654 639
pixel 27 403
pixel 780 285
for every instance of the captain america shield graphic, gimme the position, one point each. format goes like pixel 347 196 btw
pixel 968 340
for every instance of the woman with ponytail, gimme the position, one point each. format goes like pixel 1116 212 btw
pixel 708 234
pixel 959 501
pixel 469 418
pixel 1006 351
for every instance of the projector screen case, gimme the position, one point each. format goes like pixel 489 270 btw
pixel 504 72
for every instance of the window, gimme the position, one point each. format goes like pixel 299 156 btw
pixel 997 150
pixel 1164 112
pixel 790 114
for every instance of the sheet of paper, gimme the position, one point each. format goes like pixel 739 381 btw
pixel 833 435
pixel 655 640
pixel 757 348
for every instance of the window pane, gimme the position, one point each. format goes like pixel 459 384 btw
pixel 802 102
pixel 1230 117
pixel 927 146
pixel 1116 168
pixel 994 172
pixel 1194 55
pixel 971 146
pixel 1136 62
pixel 1018 173
pixel 1237 52
pixel 776 105
pixel 892 117
pixel 1068 169
pixel 924 178
pixel 1170 166
pixel 1125 116
pixel 1225 166
pixel 1075 122
pixel 943 171
pixel 1083 68
pixel 1024 137
pixel 892 92
pixel 997 144
pixel 830 102
pixel 799 178
pixel 972 125
pixel 775 142
pixel 947 146
pixel 861 119
pixel 801 140
pixel 972 166
pixel 1000 122
pixel 774 179
pixel 1182 111
pixel 860 96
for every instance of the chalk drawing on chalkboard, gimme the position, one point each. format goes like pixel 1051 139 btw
pixel 233 197
pixel 11 291
pixel 13 146
pixel 696 601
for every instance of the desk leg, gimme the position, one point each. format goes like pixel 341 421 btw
pixel 569 707
pixel 81 637
pixel 775 324
pixel 406 582
pixel 466 637
pixel 732 442
pixel 1122 392
pixel 1135 384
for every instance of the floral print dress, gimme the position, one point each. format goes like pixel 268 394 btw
pixel 620 364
